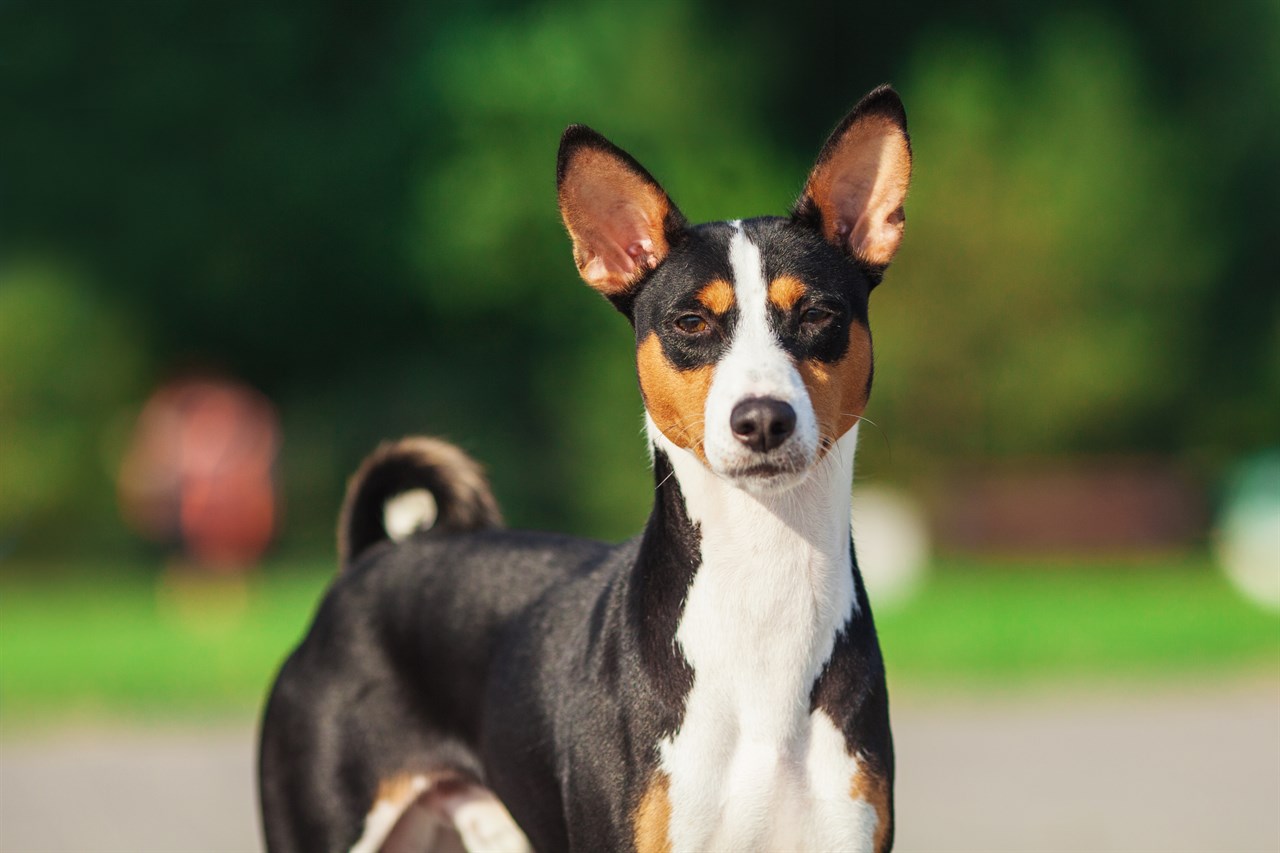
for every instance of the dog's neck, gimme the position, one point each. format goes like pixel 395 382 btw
pixel 770 579
pixel 804 529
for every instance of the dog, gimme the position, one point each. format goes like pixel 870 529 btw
pixel 714 683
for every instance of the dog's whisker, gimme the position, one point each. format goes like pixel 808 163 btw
pixel 683 428
pixel 883 435
pixel 684 432
pixel 664 480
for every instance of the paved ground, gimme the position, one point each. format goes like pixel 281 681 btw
pixel 1166 770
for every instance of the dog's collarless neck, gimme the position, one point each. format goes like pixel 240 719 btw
pixel 757 567
pixel 804 529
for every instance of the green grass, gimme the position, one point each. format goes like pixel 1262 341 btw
pixel 1039 622
pixel 123 645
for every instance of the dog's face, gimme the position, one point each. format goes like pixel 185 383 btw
pixel 753 349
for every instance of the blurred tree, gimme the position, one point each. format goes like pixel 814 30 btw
pixel 350 206
pixel 1201 79
pixel 1054 247
pixel 67 361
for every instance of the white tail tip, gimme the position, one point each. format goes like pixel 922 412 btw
pixel 409 512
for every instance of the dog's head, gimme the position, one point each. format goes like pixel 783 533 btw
pixel 753 348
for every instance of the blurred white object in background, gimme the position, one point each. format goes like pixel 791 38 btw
pixel 891 540
pixel 1248 542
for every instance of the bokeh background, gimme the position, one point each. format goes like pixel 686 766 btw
pixel 241 243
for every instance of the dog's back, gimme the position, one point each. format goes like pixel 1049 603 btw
pixel 394 667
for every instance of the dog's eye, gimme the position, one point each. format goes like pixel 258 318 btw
pixel 816 317
pixel 691 324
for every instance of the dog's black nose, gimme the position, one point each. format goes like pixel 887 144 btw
pixel 762 423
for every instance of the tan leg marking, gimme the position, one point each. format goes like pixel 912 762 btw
pixel 401 788
pixel 873 789
pixel 441 812
pixel 652 821
pixel 785 291
pixel 396 795
pixel 676 399
pixel 839 391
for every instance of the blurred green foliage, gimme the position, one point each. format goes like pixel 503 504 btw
pixel 124 643
pixel 351 207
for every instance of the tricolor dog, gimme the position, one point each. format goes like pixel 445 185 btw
pixel 714 683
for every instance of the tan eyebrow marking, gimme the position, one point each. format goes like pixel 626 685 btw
pixel 717 296
pixel 873 789
pixel 785 291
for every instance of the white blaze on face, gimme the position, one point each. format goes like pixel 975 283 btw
pixel 755 366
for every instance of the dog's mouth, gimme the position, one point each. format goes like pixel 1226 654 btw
pixel 769 474
pixel 765 470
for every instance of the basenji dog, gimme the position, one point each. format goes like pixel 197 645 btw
pixel 714 683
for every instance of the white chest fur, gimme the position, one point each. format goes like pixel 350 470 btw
pixel 750 767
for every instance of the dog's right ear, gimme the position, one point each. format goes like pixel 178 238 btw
pixel 620 220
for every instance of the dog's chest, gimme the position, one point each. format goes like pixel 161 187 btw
pixel 751 767
pixel 754 792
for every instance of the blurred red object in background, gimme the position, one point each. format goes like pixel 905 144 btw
pixel 199 471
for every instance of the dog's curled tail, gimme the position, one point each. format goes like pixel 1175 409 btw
pixel 413 484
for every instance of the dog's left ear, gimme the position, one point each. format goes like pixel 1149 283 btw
pixel 620 219
pixel 855 192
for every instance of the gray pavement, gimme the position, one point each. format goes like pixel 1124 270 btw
pixel 1159 769
pixel 1166 770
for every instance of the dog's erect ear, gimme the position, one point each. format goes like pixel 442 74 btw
pixel 855 192
pixel 619 218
